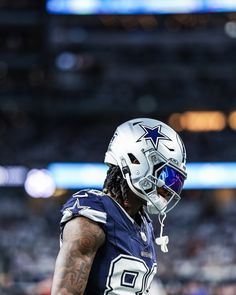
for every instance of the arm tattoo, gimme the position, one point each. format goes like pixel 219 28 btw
pixel 82 238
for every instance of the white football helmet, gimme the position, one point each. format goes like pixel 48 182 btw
pixel 152 157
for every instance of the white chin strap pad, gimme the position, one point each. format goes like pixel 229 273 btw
pixel 156 204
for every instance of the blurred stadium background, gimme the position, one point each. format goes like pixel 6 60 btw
pixel 71 71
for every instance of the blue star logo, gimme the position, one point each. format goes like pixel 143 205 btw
pixel 68 212
pixel 153 134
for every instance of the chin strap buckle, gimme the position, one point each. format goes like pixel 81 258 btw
pixel 162 240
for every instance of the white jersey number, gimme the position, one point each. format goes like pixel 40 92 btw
pixel 129 275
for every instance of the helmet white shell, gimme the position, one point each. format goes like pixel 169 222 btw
pixel 141 145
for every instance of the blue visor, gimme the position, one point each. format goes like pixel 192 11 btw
pixel 172 178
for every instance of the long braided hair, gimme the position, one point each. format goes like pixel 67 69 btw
pixel 115 184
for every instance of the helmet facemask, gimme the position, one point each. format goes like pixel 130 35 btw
pixel 161 187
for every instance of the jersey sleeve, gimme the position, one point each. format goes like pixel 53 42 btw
pixel 87 203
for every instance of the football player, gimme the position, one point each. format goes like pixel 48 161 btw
pixel 107 240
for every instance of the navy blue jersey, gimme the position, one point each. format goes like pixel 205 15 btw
pixel 126 262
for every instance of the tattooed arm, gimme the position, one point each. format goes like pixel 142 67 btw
pixel 81 239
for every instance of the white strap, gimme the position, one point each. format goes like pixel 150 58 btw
pixel 162 240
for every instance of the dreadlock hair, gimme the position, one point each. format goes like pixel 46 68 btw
pixel 115 184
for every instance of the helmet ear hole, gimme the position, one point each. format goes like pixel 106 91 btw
pixel 133 159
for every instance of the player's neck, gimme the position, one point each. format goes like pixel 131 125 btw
pixel 132 205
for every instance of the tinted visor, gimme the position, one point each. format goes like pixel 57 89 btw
pixel 172 178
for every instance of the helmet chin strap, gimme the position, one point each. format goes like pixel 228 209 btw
pixel 162 240
pixel 159 207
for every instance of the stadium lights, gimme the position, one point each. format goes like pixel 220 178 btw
pixel 232 120
pixel 138 6
pixel 230 29
pixel 39 183
pixel 59 177
pixel 12 175
pixel 211 175
pixel 74 175
pixel 92 175
pixel 202 121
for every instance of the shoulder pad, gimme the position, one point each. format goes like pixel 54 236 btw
pixel 88 193
pixel 87 203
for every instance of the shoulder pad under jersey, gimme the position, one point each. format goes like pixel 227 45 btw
pixel 87 203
